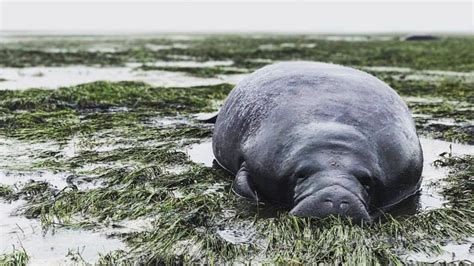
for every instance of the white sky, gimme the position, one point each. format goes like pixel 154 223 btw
pixel 244 16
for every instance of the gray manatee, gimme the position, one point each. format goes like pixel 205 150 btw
pixel 322 139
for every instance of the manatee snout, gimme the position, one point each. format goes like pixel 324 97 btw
pixel 333 200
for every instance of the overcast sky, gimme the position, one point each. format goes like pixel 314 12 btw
pixel 229 16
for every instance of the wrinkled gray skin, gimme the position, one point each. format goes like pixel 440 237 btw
pixel 321 138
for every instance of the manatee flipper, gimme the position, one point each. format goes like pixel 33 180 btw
pixel 207 119
pixel 242 184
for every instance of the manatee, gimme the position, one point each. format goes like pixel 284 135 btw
pixel 321 139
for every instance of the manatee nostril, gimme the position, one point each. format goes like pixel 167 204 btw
pixel 328 203
pixel 344 205
pixel 333 200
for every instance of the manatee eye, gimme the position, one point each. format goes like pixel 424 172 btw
pixel 303 172
pixel 366 182
pixel 300 175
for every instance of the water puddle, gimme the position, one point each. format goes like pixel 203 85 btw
pixel 72 147
pixel 238 234
pixel 15 154
pixel 260 60
pixel 427 75
pixel 430 197
pixel 449 73
pixel 308 45
pixel 181 57
pixel 193 64
pixel 347 38
pixel 452 253
pixel 271 46
pixel 19 179
pixel 56 77
pixel 20 163
pixel 132 226
pixel 288 45
pixel 449 122
pixel 201 153
pixel 160 47
pixel 267 47
pixel 58 180
pixel 161 121
pixel 232 78
pixel 176 169
pixel 183 37
pixel 423 100
pixel 49 248
pixel 387 69
pixel 104 49
pixel 217 188
pixel 178 194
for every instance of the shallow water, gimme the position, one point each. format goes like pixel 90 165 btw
pixel 16 154
pixel 159 47
pixel 237 234
pixel 201 153
pixel 192 63
pixel 20 178
pixel 426 75
pixel 55 77
pixel 347 38
pixel 167 121
pixel 49 248
pixel 430 197
pixel 387 69
pixel 351 38
pixel 453 252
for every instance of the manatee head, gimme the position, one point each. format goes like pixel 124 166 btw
pixel 333 171
pixel 321 169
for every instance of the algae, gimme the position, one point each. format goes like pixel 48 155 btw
pixel 85 109
pixel 18 257
pixel 136 182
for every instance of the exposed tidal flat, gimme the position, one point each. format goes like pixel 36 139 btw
pixel 103 160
